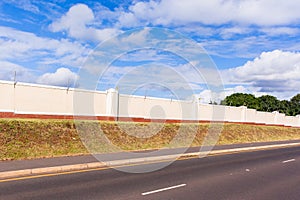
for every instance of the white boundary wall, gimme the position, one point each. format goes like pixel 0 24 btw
pixel 24 98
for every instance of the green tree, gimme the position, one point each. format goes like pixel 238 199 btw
pixel 268 103
pixel 241 99
pixel 296 99
pixel 284 107
pixel 295 105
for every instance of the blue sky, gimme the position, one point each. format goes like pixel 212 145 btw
pixel 255 44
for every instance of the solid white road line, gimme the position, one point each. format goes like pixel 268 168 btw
pixel 286 161
pixel 163 189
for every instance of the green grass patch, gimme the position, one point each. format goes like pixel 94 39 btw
pixel 26 139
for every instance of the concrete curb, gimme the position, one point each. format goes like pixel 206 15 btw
pixel 116 163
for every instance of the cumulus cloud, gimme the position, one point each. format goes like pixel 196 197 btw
pixel 78 21
pixel 275 72
pixel 167 12
pixel 74 20
pixel 274 65
pixel 62 77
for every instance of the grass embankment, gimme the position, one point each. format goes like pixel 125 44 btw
pixel 25 139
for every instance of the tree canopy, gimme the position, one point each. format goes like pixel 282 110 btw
pixel 265 103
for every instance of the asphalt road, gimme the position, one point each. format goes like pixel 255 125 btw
pixel 71 160
pixel 272 174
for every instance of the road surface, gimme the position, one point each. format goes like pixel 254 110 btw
pixel 272 174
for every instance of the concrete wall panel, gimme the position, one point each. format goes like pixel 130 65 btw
pixel 48 100
pixel 7 97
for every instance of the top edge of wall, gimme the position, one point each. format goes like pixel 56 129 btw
pixel 49 86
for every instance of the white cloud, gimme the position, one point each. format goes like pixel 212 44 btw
pixel 229 32
pixel 8 69
pixel 23 4
pixel 133 77
pixel 25 46
pixel 128 20
pixel 275 65
pixel 75 20
pixel 38 54
pixel 196 30
pixel 138 37
pixel 207 96
pixel 78 23
pixel 249 46
pixel 62 77
pixel 167 12
pixel 275 31
pixel 276 72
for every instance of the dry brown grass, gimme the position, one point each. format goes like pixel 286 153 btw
pixel 38 138
pixel 25 139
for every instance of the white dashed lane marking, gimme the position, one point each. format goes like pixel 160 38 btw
pixel 286 161
pixel 163 189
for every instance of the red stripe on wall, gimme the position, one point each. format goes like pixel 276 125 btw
pixel 123 119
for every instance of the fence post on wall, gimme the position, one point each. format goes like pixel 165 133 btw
pixel 195 103
pixel 14 97
pixel 243 113
pixel 298 123
pixel 112 102
pixel 15 79
pixel 275 113
pixel 118 103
